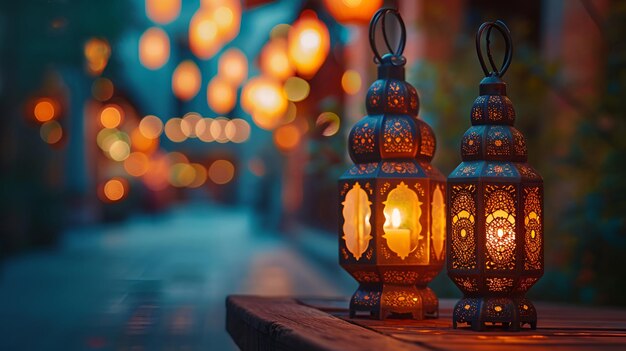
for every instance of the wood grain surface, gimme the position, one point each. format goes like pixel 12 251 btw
pixel 258 323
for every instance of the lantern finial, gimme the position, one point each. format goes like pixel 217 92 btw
pixel 504 30
pixel 492 83
pixel 394 57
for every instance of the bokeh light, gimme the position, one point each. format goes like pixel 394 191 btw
pixel 188 124
pixel 182 175
pixel 173 130
pixel 287 137
pixel 102 89
pixel 119 150
pixel 291 113
pixel 221 172
pixel 151 126
pixel 233 66
pixel 97 52
pixel 280 30
pixel 203 130
pixel 275 60
pixel 114 189
pixel 329 123
pixel 163 11
pixel 200 176
pixel 177 157
pixel 137 164
pixel 296 89
pixel 237 130
pixel 105 138
pixel 227 17
pixel 221 95
pixel 111 116
pixel 351 82
pixel 44 109
pixel 154 48
pixel 309 43
pixel 139 142
pixel 353 11
pixel 51 132
pixel 218 129
pixel 186 80
pixel 204 40
pixel 265 100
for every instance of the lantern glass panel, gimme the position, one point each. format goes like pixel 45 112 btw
pixel 402 227
pixel 356 221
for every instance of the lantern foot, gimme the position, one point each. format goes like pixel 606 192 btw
pixel 381 301
pixel 510 313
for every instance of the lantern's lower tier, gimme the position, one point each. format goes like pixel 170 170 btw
pixel 381 300
pixel 512 313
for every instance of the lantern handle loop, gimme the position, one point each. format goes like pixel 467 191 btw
pixel 397 59
pixel 506 62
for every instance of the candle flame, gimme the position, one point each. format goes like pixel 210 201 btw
pixel 396 218
pixel 500 232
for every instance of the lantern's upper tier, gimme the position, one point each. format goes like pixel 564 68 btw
pixel 492 136
pixel 391 129
pixel 391 93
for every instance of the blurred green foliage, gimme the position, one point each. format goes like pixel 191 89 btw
pixel 597 159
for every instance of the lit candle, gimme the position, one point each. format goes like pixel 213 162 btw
pixel 398 239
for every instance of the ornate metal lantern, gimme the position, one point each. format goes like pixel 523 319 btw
pixel 495 209
pixel 392 215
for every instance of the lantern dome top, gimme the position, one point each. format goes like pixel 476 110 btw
pixel 391 129
pixel 492 136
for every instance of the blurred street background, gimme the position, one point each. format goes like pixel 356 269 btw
pixel 158 155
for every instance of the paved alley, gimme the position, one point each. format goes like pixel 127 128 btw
pixel 153 282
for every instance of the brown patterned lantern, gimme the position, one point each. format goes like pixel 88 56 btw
pixel 495 209
pixel 392 215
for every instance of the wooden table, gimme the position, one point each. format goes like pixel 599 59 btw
pixel 261 323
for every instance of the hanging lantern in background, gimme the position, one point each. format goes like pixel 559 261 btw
pixel 186 80
pixel 204 40
pixel 309 43
pixel 495 209
pixel 97 52
pixel 162 11
pixel 275 60
pixel 392 215
pixel 154 48
pixel 227 17
pixel 265 100
pixel 221 95
pixel 233 66
pixel 352 11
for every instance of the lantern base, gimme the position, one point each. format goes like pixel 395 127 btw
pixel 510 313
pixel 380 301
